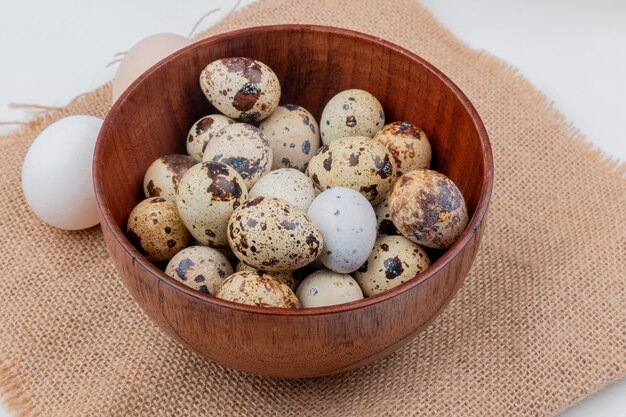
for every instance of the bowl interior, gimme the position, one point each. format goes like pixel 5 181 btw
pixel 313 63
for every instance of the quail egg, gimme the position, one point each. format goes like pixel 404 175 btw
pixel 394 261
pixel 428 208
pixel 201 132
pixel 273 235
pixel 351 113
pixel 408 145
pixel 164 174
pixel 258 289
pixel 202 268
pixel 286 277
pixel 359 163
pixel 156 230
pixel 241 88
pixel 243 147
pixel 207 195
pixel 288 184
pixel 384 223
pixel 293 135
pixel 327 288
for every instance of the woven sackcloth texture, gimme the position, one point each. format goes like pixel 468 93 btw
pixel 539 323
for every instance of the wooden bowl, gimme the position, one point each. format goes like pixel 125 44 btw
pixel 313 63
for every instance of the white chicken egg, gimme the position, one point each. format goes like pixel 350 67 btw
pixel 347 223
pixel 56 175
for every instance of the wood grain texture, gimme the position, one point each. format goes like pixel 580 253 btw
pixel 313 63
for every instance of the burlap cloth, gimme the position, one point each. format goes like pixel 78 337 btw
pixel 539 323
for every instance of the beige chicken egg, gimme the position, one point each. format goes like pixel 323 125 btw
pixel 273 235
pixel 156 230
pixel 286 277
pixel 351 113
pixel 327 288
pixel 393 261
pixel 207 195
pixel 408 145
pixel 428 208
pixel 384 224
pixel 243 147
pixel 359 163
pixel 257 288
pixel 293 135
pixel 201 132
pixel 288 184
pixel 202 268
pixel 164 174
pixel 241 88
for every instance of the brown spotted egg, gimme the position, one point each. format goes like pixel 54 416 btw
pixel 428 208
pixel 293 135
pixel 257 288
pixel 288 184
pixel 207 195
pixel 273 235
pixel 394 261
pixel 359 163
pixel 163 175
pixel 384 224
pixel 351 113
pixel 286 277
pixel 408 145
pixel 201 132
pixel 241 88
pixel 243 147
pixel 202 268
pixel 156 230
pixel 327 288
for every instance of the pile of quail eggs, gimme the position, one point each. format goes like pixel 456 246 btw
pixel 310 215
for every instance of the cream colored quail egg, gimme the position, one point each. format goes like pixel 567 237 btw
pixel 258 289
pixel 384 224
pixel 428 208
pixel 273 235
pixel 286 277
pixel 243 147
pixel 241 88
pixel 351 113
pixel 202 268
pixel 288 184
pixel 327 288
pixel 408 145
pixel 293 135
pixel 164 174
pixel 201 132
pixel 394 261
pixel 156 230
pixel 359 163
pixel 207 195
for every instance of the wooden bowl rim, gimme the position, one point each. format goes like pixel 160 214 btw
pixel 164 279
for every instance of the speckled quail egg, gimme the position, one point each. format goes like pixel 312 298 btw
pixel 327 288
pixel 201 132
pixel 258 289
pixel 202 268
pixel 347 223
pixel 359 163
pixel 286 277
pixel 207 195
pixel 428 208
pixel 384 224
pixel 156 230
pixel 408 145
pixel 351 113
pixel 273 235
pixel 243 147
pixel 293 135
pixel 241 88
pixel 164 174
pixel 394 261
pixel 288 184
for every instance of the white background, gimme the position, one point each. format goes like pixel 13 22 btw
pixel 574 51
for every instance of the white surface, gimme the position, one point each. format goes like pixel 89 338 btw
pixel 575 51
